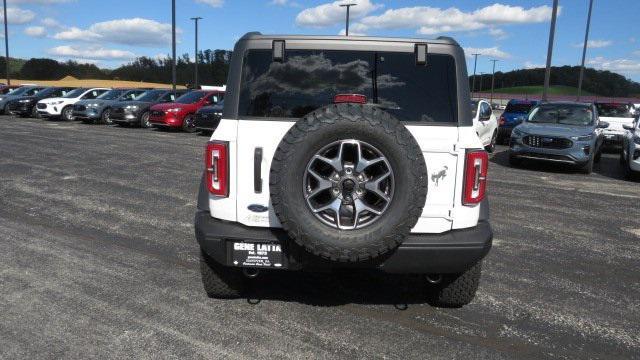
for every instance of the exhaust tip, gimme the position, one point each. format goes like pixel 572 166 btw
pixel 251 272
pixel 434 279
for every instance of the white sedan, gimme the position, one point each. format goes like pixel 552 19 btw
pixel 485 123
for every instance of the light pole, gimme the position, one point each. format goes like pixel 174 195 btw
pixel 552 33
pixel 6 43
pixel 493 78
pixel 196 19
pixel 584 50
pixel 173 45
pixel 348 6
pixel 473 79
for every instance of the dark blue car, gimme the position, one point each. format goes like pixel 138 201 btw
pixel 515 113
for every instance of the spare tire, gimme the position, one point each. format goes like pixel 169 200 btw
pixel 348 182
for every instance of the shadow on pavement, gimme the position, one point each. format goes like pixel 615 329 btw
pixel 339 288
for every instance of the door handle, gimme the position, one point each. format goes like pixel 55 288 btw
pixel 257 170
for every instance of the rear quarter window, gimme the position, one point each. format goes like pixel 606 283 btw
pixel 309 79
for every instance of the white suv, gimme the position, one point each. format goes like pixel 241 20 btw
pixel 337 152
pixel 63 106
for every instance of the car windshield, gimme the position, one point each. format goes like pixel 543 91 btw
pixel 151 95
pixel 75 93
pixel 567 114
pixel 474 108
pixel 522 108
pixel 20 91
pixel 191 98
pixel 47 91
pixel 614 110
pixel 111 95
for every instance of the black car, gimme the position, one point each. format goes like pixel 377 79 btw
pixel 26 106
pixel 208 117
pixel 136 112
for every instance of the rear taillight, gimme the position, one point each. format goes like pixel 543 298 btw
pixel 216 162
pixel 475 177
pixel 350 98
pixel 502 120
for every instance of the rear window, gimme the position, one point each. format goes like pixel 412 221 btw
pixel 310 79
pixel 518 107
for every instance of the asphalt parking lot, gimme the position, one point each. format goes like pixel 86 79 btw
pixel 98 259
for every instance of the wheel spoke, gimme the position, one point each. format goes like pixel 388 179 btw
pixel 323 184
pixel 360 206
pixel 335 163
pixel 374 186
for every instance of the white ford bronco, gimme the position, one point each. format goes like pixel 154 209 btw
pixel 345 152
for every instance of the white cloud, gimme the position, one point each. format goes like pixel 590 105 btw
pixel 532 65
pixel 593 44
pixel 213 3
pixel 35 31
pixel 636 53
pixel 623 66
pixel 18 16
pixel 91 53
pixel 331 13
pixel 136 31
pixel 493 52
pixel 431 20
pixel 52 23
pixel 343 32
pixel 285 3
pixel 498 34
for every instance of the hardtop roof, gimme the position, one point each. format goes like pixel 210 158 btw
pixel 445 40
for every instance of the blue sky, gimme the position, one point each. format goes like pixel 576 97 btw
pixel 112 32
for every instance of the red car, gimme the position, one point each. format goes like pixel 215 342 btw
pixel 180 114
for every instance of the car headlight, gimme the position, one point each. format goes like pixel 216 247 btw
pixel 582 138
pixel 94 105
pixel 174 110
pixel 25 101
pixel 132 107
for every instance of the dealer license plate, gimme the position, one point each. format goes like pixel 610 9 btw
pixel 256 254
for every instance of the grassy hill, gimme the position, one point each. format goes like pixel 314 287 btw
pixel 71 81
pixel 537 90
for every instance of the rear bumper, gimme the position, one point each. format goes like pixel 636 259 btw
pixel 451 252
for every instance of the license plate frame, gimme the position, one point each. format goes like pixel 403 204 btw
pixel 256 254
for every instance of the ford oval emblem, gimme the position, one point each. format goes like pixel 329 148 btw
pixel 257 208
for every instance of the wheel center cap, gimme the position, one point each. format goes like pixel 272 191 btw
pixel 348 185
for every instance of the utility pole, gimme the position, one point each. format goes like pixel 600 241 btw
pixel 552 33
pixel 348 6
pixel 196 19
pixel 493 79
pixel 473 79
pixel 584 50
pixel 6 43
pixel 173 45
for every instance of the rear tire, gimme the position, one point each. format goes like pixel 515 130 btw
pixel 144 120
pixel 188 124
pixel 456 290
pixel 220 282
pixel 105 118
pixel 34 113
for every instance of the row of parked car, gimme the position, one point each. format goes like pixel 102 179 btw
pixel 570 133
pixel 189 110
